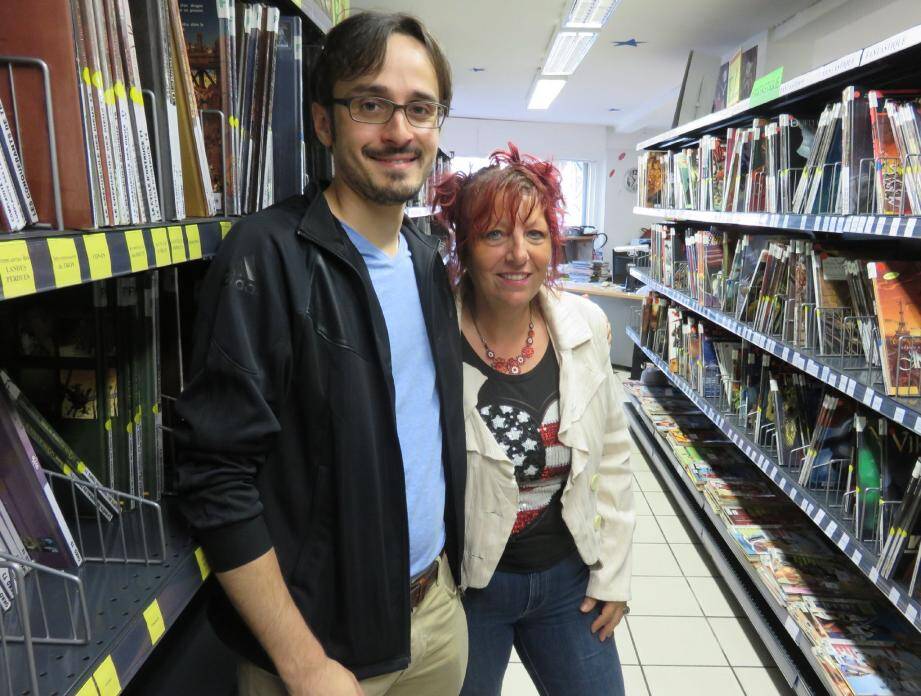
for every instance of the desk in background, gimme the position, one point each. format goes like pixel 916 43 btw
pixel 618 306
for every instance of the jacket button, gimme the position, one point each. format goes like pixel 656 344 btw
pixel 599 522
pixel 594 483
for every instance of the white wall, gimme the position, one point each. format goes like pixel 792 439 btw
pixel 471 137
pixel 828 30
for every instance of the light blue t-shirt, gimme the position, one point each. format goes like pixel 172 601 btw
pixel 417 401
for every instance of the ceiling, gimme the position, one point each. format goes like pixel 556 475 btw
pixel 510 38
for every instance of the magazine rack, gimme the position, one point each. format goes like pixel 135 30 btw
pixel 50 607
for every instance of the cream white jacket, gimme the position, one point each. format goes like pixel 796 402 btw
pixel 598 497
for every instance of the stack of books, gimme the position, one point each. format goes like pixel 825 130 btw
pixel 586 271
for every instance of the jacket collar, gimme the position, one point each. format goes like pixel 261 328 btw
pixel 323 228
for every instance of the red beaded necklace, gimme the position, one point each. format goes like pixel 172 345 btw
pixel 510 366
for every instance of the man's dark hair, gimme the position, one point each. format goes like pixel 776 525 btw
pixel 358 45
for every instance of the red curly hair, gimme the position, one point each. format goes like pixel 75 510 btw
pixel 470 203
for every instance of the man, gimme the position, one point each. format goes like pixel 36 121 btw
pixel 323 457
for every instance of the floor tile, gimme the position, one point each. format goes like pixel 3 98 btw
pixel 692 681
pixel 515 657
pixel 660 503
pixel 669 640
pixel 758 681
pixel 714 597
pixel 677 530
pixel 692 561
pixel 654 559
pixel 663 597
pixel 647 531
pixel 640 506
pixel 638 462
pixel 647 481
pixel 634 681
pixel 625 649
pixel 740 643
pixel 518 682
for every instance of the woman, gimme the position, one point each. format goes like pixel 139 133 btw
pixel 549 505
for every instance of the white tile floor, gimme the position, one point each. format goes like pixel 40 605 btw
pixel 685 633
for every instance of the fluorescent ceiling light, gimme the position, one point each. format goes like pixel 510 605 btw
pixel 545 91
pixel 590 14
pixel 567 51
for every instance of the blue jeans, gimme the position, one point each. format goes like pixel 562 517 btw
pixel 539 614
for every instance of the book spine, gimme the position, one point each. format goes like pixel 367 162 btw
pixel 13 217
pixel 15 164
pixel 172 109
pixel 139 118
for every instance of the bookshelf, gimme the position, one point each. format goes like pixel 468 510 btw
pixel 771 620
pixel 826 522
pixel 771 324
pixel 119 610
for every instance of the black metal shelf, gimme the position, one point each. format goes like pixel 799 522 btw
pixel 721 548
pixel 37 263
pixel 887 61
pixel 131 606
pixel 905 412
pixel 827 522
pixel 309 9
pixel 873 226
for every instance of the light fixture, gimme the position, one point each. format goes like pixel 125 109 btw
pixel 544 92
pixel 567 51
pixel 590 14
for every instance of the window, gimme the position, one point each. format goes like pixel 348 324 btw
pixel 576 179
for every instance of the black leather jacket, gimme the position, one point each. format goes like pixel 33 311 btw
pixel 289 436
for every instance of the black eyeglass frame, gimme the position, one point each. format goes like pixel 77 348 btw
pixel 347 102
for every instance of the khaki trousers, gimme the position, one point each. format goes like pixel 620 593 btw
pixel 438 644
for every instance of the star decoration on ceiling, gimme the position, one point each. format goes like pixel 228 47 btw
pixel 633 43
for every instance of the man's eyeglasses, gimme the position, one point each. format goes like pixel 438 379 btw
pixel 377 110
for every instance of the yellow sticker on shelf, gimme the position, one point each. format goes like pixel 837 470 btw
pixel 153 617
pixel 161 246
pixel 203 566
pixel 225 228
pixel 176 244
pixel 194 240
pixel 106 678
pixel 64 261
pixel 97 253
pixel 16 274
pixel 137 252
pixel 88 689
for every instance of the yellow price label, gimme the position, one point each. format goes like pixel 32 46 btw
pixel 176 244
pixel 137 252
pixel 161 246
pixel 106 678
pixel 194 240
pixel 225 228
pixel 97 253
pixel 64 261
pixel 16 274
pixel 88 689
pixel 203 566
pixel 153 617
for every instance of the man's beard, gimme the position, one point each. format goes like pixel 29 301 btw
pixel 396 192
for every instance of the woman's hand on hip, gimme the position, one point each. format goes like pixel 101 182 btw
pixel 609 616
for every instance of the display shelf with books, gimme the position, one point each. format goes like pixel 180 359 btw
pixel 754 538
pixel 888 226
pixel 132 605
pixel 896 54
pixel 31 264
pixel 768 617
pixel 851 382
pixel 827 522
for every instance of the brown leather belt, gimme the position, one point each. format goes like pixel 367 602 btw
pixel 419 585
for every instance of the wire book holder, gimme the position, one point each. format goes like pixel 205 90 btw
pixel 36 64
